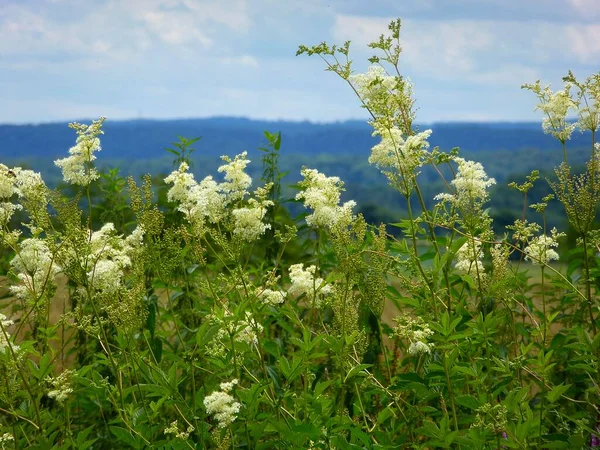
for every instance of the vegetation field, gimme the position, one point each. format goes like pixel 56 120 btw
pixel 234 310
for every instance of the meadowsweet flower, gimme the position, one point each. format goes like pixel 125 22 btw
pixel 173 428
pixel 5 336
pixel 236 180
pixel 304 282
pixel 78 168
pixel 271 297
pixel 397 157
pixel 6 439
pixel 222 405
pixel 555 106
pixel 419 348
pixel 35 267
pixel 416 331
pixel 7 210
pixel 469 256
pixel 248 220
pixel 197 201
pixel 182 182
pixel 395 152
pixel 470 183
pixel 109 256
pixel 373 85
pixel 61 386
pixel 248 330
pixel 30 185
pixel 7 182
pixel 322 195
pixel 541 249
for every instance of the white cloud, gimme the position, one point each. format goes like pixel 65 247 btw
pixel 244 60
pixel 584 42
pixel 480 51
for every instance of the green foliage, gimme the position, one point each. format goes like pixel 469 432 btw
pixel 176 313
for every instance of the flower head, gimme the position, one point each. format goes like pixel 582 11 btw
pixel 222 405
pixel 541 249
pixel 237 181
pixel 470 183
pixel 469 256
pixel 305 282
pixel 322 195
pixel 78 168
pixel 248 221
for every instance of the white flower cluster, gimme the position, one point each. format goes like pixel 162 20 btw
pixel 271 297
pixel 222 405
pixel 248 222
pixel 416 331
pixel 322 195
pixel 197 201
pixel 471 183
pixel 26 184
pixel 373 85
pixel 248 330
pixel 304 282
pixel 395 152
pixel 469 256
pixel 541 249
pixel 5 439
pixel 556 105
pixel 61 386
pixel 109 255
pixel 236 180
pixel 5 336
pixel 245 330
pixel 35 267
pixel 77 168
pixel 207 200
pixel 174 429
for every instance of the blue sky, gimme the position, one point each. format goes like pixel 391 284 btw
pixel 73 59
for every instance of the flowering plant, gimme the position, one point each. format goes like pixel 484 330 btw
pixel 214 320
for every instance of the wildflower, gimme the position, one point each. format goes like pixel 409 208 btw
pixel 61 386
pixel 5 439
pixel 394 151
pixel 541 249
pixel 373 85
pixel 270 297
pixel 416 331
pixel 77 168
pixel 419 348
pixel 5 336
pixel 468 257
pixel 555 105
pixel 197 201
pixel 30 185
pixel 471 183
pixel 304 282
pixel 248 329
pixel 7 182
pixel 236 180
pixel 322 194
pixel 173 428
pixel 222 405
pixel 35 267
pixel 108 258
pixel 248 221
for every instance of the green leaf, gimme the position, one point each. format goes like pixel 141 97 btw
pixel 467 401
pixel 356 370
pixel 124 436
pixel 557 391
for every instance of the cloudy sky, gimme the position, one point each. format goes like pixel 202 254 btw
pixel 75 59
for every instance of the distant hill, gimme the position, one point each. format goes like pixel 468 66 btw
pixel 226 135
